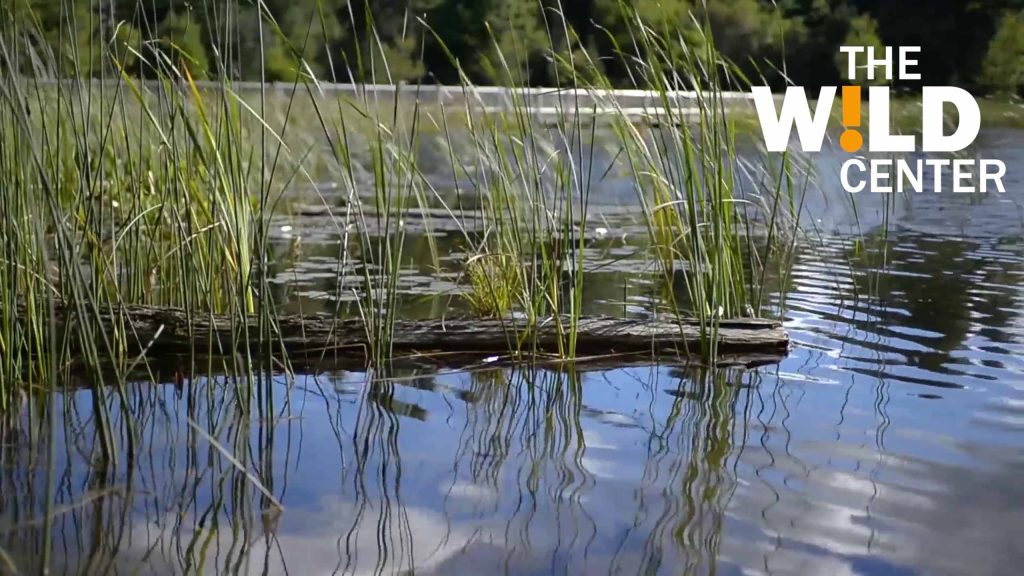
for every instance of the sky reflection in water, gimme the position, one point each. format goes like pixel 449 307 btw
pixel 889 442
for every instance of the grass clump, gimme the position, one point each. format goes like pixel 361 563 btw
pixel 495 285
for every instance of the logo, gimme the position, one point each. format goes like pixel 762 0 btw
pixel 893 174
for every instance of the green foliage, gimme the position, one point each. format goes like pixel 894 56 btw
pixel 817 29
pixel 619 17
pixel 254 51
pixel 495 283
pixel 183 42
pixel 125 47
pixel 163 193
pixel 313 29
pixel 618 20
pixel 73 47
pixel 395 61
pixel 1003 68
pixel 518 42
pixel 746 30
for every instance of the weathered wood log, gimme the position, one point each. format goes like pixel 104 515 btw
pixel 171 331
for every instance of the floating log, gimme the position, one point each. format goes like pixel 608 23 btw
pixel 172 331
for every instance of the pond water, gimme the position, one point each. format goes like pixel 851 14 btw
pixel 890 441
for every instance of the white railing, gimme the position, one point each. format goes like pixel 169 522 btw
pixel 545 103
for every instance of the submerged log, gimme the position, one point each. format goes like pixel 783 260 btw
pixel 171 331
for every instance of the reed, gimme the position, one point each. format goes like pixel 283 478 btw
pixel 163 191
pixel 707 210
pixel 718 225
pixel 124 192
pixel 117 190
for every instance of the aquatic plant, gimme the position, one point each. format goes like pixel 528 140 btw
pixel 161 191
pixel 495 283
pixel 124 180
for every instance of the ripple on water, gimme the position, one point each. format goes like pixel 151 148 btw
pixel 888 442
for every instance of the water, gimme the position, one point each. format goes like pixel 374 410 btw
pixel 888 442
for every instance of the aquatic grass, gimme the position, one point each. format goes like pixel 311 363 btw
pixel 123 192
pixel 535 183
pixel 690 182
pixel 162 191
pixel 495 284
pixel 395 183
pixel 534 187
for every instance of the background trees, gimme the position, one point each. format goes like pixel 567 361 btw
pixel 1003 68
pixel 977 43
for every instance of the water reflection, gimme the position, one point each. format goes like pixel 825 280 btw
pixel 887 443
pixel 806 468
pixel 515 468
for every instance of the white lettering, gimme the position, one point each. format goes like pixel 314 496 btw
pixel 880 138
pixel 906 63
pixel 879 177
pixel 937 164
pixel 795 110
pixel 879 63
pixel 915 178
pixel 962 175
pixel 996 177
pixel 933 100
pixel 851 60
pixel 845 176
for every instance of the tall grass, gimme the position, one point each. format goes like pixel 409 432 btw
pixel 162 192
pixel 717 224
pixel 704 206
pixel 116 190
pixel 120 193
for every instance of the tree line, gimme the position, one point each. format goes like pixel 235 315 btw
pixel 976 43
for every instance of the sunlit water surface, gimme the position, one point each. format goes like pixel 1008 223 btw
pixel 888 442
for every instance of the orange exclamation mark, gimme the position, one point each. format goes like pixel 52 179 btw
pixel 851 140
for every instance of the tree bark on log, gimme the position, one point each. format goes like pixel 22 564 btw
pixel 171 331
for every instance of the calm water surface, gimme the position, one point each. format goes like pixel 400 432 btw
pixel 891 441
